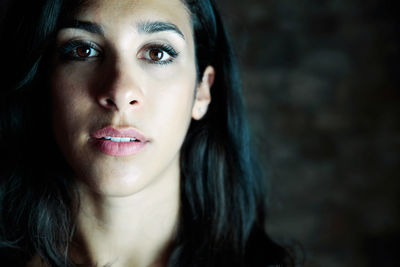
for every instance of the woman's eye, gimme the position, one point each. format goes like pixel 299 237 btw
pixel 158 54
pixel 86 52
pixel 78 50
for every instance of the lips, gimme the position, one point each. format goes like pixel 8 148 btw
pixel 119 133
pixel 119 142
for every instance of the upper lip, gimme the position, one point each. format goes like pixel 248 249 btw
pixel 120 132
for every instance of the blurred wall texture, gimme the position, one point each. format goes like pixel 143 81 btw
pixel 321 84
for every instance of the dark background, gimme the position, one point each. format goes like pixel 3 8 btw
pixel 321 85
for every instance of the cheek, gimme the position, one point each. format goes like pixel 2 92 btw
pixel 69 91
pixel 68 85
pixel 170 102
pixel 69 103
pixel 174 100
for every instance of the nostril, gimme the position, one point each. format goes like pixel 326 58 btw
pixel 110 103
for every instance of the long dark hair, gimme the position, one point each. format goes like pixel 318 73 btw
pixel 222 190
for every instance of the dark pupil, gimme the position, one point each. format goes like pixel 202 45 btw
pixel 83 51
pixel 156 54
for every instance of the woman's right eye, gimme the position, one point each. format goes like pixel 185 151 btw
pixel 79 50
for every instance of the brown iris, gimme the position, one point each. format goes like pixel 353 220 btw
pixel 83 51
pixel 156 54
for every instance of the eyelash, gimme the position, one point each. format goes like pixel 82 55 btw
pixel 164 48
pixel 68 51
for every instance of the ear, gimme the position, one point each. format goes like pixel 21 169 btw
pixel 203 95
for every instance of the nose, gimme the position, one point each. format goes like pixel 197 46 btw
pixel 120 89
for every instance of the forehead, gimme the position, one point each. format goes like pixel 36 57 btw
pixel 119 12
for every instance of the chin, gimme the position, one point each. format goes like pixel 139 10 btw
pixel 115 182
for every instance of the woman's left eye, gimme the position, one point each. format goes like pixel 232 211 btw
pixel 158 54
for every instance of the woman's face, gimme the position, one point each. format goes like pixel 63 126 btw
pixel 123 92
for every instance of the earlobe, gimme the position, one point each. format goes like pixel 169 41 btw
pixel 203 94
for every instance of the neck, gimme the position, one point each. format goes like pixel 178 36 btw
pixel 135 230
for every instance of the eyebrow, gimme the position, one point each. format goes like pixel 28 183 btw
pixel 158 26
pixel 84 25
pixel 148 27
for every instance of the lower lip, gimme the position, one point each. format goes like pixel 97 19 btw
pixel 119 148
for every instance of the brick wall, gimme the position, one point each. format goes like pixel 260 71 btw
pixel 322 89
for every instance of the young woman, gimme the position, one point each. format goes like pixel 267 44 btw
pixel 124 139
